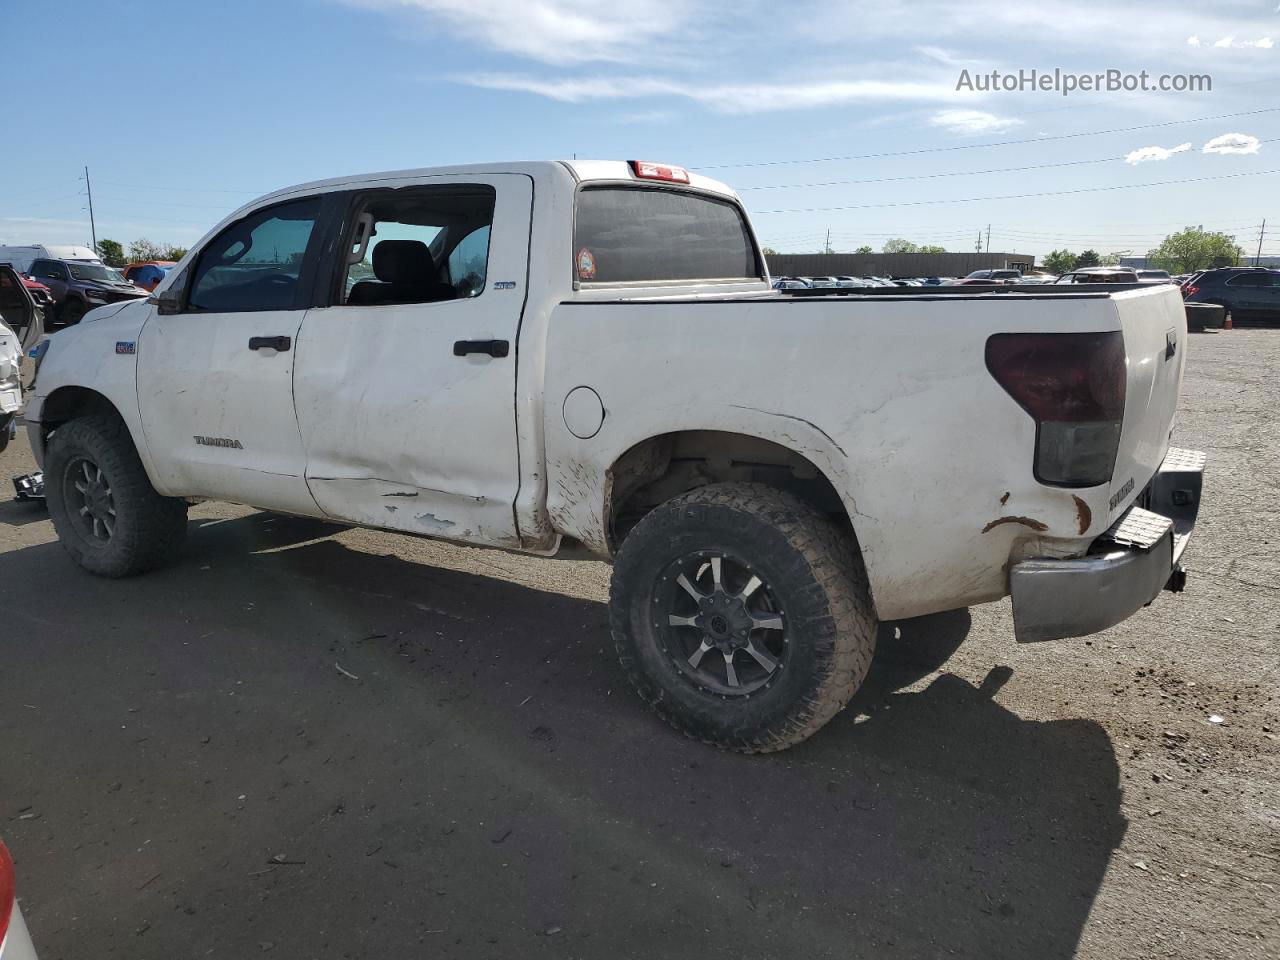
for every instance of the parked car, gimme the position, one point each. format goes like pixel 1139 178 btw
pixel 148 275
pixel 1099 275
pixel 851 282
pixel 23 256
pixel 994 276
pixel 759 525
pixel 790 283
pixel 824 282
pixel 21 327
pixel 1154 275
pixel 79 286
pixel 15 941
pixel 1248 294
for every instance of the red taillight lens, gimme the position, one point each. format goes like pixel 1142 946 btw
pixel 8 890
pixel 1189 290
pixel 1073 386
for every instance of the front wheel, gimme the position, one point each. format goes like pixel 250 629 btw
pixel 742 616
pixel 108 516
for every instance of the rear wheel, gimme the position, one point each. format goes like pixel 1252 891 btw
pixel 742 616
pixel 108 516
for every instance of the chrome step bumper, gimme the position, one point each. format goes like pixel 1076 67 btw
pixel 1126 567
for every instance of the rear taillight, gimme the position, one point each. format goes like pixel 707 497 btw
pixel 1189 290
pixel 1073 386
pixel 8 890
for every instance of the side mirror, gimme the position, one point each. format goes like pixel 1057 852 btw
pixel 168 300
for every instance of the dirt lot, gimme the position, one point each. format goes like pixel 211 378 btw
pixel 326 743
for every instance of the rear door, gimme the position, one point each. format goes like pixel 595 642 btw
pixel 216 366
pixel 405 384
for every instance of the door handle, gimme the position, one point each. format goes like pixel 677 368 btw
pixel 271 343
pixel 494 348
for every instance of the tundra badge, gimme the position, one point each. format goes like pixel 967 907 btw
pixel 219 442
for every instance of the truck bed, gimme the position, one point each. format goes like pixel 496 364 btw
pixel 934 459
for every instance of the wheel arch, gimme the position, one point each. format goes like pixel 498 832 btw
pixel 654 470
pixel 72 402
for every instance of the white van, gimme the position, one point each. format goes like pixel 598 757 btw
pixel 22 256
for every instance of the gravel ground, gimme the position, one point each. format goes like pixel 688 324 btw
pixel 318 742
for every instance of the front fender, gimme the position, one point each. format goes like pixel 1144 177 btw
pixel 97 356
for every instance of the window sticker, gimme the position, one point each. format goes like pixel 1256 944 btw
pixel 586 264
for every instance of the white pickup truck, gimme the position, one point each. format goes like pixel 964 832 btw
pixel 557 357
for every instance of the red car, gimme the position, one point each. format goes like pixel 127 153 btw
pixel 15 942
pixel 41 294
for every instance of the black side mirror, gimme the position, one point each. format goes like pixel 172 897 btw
pixel 167 301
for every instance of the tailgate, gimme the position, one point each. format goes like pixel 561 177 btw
pixel 1155 338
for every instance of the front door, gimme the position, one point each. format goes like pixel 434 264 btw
pixel 405 385
pixel 216 365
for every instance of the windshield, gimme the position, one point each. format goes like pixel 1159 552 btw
pixel 94 271
pixel 636 234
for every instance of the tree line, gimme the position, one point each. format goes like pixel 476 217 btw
pixel 1186 251
pixel 113 253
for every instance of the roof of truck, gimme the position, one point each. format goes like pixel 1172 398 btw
pixel 581 170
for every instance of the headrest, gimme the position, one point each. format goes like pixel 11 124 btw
pixel 403 261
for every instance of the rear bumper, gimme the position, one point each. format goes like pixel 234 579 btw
pixel 1125 569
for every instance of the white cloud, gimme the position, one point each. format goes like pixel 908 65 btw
pixel 972 122
pixel 1193 41
pixel 1233 144
pixel 1145 154
pixel 553 31
pixel 724 98
pixel 1231 43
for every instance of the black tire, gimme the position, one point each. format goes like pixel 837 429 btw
pixel 92 465
pixel 812 583
pixel 72 312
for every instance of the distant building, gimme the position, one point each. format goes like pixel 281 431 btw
pixel 894 264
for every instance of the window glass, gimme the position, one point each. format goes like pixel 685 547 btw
pixel 49 269
pixel 628 234
pixel 425 245
pixel 255 264
pixel 93 271
pixel 469 261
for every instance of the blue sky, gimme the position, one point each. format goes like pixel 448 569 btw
pixel 827 116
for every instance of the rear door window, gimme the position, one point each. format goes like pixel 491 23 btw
pixel 641 234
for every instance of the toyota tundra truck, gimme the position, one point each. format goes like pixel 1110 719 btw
pixel 564 357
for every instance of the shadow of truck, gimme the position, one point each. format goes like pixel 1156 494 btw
pixel 477 781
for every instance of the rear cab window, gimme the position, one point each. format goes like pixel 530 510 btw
pixel 654 235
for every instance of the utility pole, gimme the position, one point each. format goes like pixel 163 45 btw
pixel 988 238
pixel 978 246
pixel 826 247
pixel 1261 233
pixel 93 229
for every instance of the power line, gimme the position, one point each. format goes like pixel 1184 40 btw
pixel 981 146
pixel 1023 196
pixel 950 173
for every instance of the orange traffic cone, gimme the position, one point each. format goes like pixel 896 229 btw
pixel 1226 321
